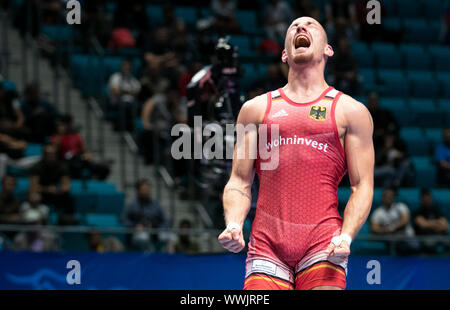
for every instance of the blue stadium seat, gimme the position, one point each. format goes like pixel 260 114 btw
pixel 248 22
pixel 432 8
pixel 393 83
pixel 33 150
pixel 188 14
pixel 244 45
pixel 8 85
pixel 393 104
pixel 419 28
pixel 425 171
pixel 397 106
pixel 423 84
pixel 426 113
pixel 102 220
pixel 442 199
pixel 392 23
pixel 387 55
pixel 408 9
pixel 155 14
pixel 434 135
pixel 415 140
pixel 364 56
pixel 250 76
pixel 409 196
pixel 441 57
pixel 57 32
pixel 368 79
pixel 416 58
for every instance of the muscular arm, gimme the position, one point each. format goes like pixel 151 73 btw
pixel 237 192
pixel 359 152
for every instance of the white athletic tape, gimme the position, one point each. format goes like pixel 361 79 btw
pixel 233 225
pixel 342 237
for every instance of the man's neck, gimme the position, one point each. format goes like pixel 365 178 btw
pixel 305 82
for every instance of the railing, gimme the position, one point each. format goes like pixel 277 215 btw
pixel 210 235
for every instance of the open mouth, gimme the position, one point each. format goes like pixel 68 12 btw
pixel 302 41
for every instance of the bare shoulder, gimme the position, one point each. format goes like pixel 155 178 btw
pixel 353 112
pixel 252 111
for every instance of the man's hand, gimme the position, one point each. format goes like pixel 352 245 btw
pixel 232 239
pixel 338 250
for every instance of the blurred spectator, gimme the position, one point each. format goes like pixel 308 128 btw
pixel 124 88
pixel 35 240
pixel 442 156
pixel 383 120
pixel 11 116
pixel 274 78
pixel 392 166
pixel 131 14
pixel 159 114
pixel 144 213
pixel 277 17
pixel 50 177
pixel 33 204
pixel 429 220
pixel 340 19
pixel 184 244
pixel 304 8
pixel 224 13
pixel 393 218
pixel 123 85
pixel 157 72
pixel 40 116
pixel 9 204
pixel 343 69
pixel 99 244
pixel 71 148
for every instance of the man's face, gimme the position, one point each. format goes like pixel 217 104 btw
pixel 427 200
pixel 9 185
pixel 144 191
pixel 388 197
pixel 126 68
pixel 306 40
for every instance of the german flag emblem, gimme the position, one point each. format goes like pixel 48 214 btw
pixel 318 113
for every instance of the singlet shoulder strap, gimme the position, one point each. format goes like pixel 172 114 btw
pixel 332 93
pixel 275 94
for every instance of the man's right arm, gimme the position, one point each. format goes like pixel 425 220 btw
pixel 237 192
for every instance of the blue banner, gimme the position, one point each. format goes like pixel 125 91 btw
pixel 22 270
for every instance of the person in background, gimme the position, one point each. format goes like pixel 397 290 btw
pixel 35 240
pixel 123 91
pixel 277 17
pixel 40 116
pixel 393 218
pixel 34 202
pixel 442 156
pixel 144 213
pixel 343 68
pixel 383 121
pixel 99 244
pixel 9 204
pixel 50 177
pixel 224 13
pixel 184 244
pixel 428 220
pixel 71 148
pixel 392 164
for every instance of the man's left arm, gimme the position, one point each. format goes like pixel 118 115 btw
pixel 359 153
